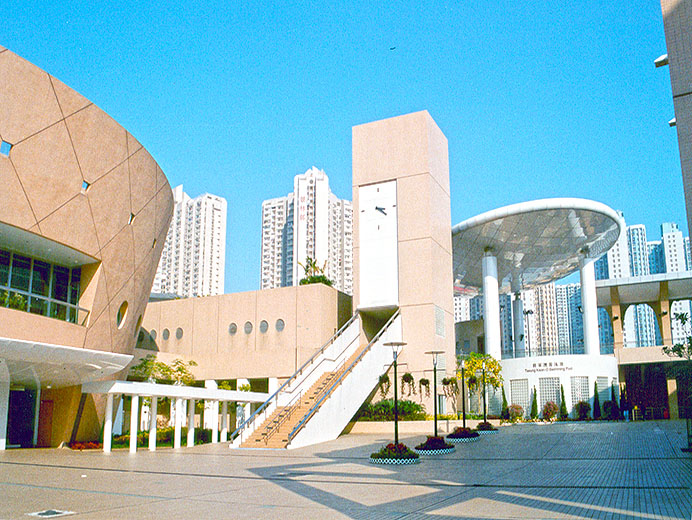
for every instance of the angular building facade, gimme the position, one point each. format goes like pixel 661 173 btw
pixel 84 212
pixel 311 222
pixel 193 261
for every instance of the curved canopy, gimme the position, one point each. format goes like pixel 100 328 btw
pixel 534 242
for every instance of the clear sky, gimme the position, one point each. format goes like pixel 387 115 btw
pixel 537 99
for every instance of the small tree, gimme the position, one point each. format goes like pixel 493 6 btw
pixel 473 363
pixel 563 404
pixel 614 400
pixel 596 403
pixel 534 405
pixel 504 413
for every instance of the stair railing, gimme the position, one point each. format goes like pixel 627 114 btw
pixel 341 377
pixel 264 409
pixel 288 409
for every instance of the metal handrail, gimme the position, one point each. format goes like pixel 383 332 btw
pixel 338 381
pixel 295 375
pixel 291 407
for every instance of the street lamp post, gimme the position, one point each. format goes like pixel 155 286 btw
pixel 463 394
pixel 434 354
pixel 395 352
pixel 485 404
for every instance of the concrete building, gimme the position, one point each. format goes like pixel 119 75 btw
pixel 309 222
pixel 462 307
pixel 84 213
pixel 193 261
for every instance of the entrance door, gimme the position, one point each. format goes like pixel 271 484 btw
pixel 45 424
pixel 20 419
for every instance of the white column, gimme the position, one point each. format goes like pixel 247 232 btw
pixel 178 421
pixel 491 305
pixel 214 422
pixel 134 414
pixel 153 411
pixel 4 402
pixel 589 306
pixel 518 321
pixel 224 421
pixel 108 425
pixel 190 422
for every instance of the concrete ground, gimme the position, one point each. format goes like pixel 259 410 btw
pixel 563 470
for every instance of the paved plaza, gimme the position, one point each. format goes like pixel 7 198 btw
pixel 563 470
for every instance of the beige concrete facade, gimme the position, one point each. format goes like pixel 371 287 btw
pixel 311 314
pixel 412 151
pixel 74 180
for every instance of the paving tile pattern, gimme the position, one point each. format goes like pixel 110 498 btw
pixel 561 471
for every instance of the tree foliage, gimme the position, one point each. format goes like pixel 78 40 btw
pixel 177 372
pixel 563 404
pixel 473 363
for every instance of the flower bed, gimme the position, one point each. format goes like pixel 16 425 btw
pixel 395 454
pixel 88 445
pixel 485 428
pixel 434 446
pixel 462 435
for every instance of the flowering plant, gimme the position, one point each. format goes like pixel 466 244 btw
pixel 485 427
pixel 462 433
pixel 434 443
pixel 394 451
pixel 550 411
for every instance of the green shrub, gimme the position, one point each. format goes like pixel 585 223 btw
pixel 516 412
pixel 596 402
pixel 384 411
pixel 550 410
pixel 610 411
pixel 563 404
pixel 582 408
pixel 504 412
pixel 485 427
pixel 164 437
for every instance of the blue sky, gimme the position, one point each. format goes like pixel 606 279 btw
pixel 540 99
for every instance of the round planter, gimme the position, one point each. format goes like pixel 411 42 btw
pixel 486 432
pixel 458 440
pixel 441 451
pixel 394 461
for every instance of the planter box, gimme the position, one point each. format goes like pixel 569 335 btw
pixel 457 440
pixel 395 461
pixel 487 432
pixel 441 451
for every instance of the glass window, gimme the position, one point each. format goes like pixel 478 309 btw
pixel 264 326
pixel 61 281
pixel 58 311
pixel 21 268
pixel 4 267
pixel 166 334
pixel 39 306
pixel 153 334
pixel 280 325
pixel 248 327
pixel 74 286
pixel 232 329
pixel 179 333
pixel 40 279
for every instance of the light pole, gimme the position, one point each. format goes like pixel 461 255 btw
pixel 485 404
pixel 463 393
pixel 395 352
pixel 528 313
pixel 434 354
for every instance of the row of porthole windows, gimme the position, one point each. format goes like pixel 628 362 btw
pixel 167 334
pixel 263 327
pixel 232 329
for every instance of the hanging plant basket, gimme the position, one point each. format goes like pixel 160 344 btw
pixel 408 383
pixel 424 385
pixel 384 384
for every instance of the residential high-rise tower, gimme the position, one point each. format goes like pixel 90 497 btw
pixel 194 256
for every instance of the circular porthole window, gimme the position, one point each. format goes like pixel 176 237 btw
pixel 264 326
pixel 179 333
pixel 232 329
pixel 280 324
pixel 122 314
pixel 248 327
pixel 166 334
pixel 153 334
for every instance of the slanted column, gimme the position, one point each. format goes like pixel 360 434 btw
pixel 190 423
pixel 224 421
pixel 4 402
pixel 491 306
pixel 153 411
pixel 134 416
pixel 107 425
pixel 589 306
pixel 178 421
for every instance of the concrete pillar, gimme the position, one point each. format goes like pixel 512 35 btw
pixel 662 310
pixel 491 306
pixel 190 423
pixel 4 402
pixel 518 322
pixel 224 421
pixel 153 411
pixel 617 317
pixel 589 306
pixel 108 425
pixel 672 385
pixel 214 422
pixel 178 421
pixel 134 416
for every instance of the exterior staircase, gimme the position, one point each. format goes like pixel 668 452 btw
pixel 315 404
